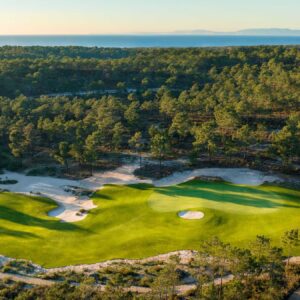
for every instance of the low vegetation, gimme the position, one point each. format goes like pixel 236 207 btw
pixel 217 271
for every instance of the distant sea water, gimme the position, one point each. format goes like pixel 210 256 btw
pixel 131 41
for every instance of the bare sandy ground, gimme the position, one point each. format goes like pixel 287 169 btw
pixel 179 289
pixel 71 206
pixel 184 256
pixel 53 188
pixel 241 176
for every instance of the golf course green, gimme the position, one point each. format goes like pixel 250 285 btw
pixel 137 221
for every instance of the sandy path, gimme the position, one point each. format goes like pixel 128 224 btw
pixel 185 257
pixel 26 279
pixel 180 289
pixel 70 205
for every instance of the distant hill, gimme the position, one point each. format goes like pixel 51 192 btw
pixel 259 31
pixel 269 31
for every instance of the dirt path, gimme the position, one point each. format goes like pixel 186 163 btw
pixel 180 289
pixel 185 256
pixel 26 279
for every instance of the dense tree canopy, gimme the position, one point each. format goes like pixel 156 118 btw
pixel 213 101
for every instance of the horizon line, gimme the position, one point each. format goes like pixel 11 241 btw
pixel 206 32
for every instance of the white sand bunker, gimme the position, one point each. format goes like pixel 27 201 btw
pixel 241 176
pixel 191 215
pixel 73 208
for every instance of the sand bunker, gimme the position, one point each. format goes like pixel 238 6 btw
pixel 191 215
pixel 70 205
pixel 74 208
pixel 234 175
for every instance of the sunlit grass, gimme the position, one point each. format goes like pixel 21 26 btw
pixel 141 220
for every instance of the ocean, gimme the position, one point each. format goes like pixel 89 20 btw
pixel 140 41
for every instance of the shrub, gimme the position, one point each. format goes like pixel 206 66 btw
pixel 8 181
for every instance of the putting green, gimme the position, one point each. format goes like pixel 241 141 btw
pixel 140 220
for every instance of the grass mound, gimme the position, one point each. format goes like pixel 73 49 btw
pixel 140 220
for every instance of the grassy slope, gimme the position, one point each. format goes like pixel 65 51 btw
pixel 138 221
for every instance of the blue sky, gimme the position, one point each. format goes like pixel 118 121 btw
pixel 139 16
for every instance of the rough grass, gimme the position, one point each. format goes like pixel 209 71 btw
pixel 140 220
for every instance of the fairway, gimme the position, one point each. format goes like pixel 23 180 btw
pixel 141 220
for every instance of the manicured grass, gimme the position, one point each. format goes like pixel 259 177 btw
pixel 140 220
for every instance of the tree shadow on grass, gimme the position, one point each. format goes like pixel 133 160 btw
pixel 21 218
pixel 16 233
pixel 227 193
pixel 141 186
pixel 290 196
pixel 100 196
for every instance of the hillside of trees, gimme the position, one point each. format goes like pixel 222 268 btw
pixel 42 70
pixel 235 105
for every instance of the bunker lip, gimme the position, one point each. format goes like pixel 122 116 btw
pixel 71 206
pixel 191 215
